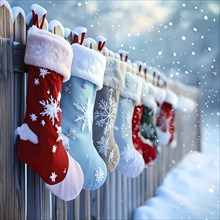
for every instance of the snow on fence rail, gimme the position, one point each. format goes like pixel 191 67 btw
pixel 22 192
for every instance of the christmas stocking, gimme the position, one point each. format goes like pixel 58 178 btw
pixel 131 162
pixel 164 117
pixel 40 146
pixel 78 98
pixel 105 111
pixel 148 129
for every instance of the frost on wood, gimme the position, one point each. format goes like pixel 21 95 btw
pixel 25 134
pixel 55 23
pixel 86 116
pixel 79 30
pixel 5 3
pixel 39 10
pixel 16 11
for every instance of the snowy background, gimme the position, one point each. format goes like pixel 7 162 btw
pixel 181 39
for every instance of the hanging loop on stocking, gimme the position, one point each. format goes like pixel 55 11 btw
pixel 38 12
pixel 79 35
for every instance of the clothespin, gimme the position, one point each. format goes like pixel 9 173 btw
pixel 38 12
pixel 123 55
pixel 101 42
pixel 79 35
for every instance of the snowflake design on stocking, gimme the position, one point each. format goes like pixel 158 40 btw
pixel 99 175
pixel 107 113
pixel 123 103
pixel 87 114
pixel 147 129
pixel 43 72
pixel 127 153
pixel 59 133
pixel 33 117
pixel 111 156
pixel 103 145
pixel 53 176
pixel 51 109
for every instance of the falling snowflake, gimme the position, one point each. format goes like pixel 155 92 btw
pixel 106 115
pixel 51 109
pixel 71 133
pixel 59 132
pixel 53 176
pixel 36 82
pixel 99 175
pixel 43 72
pixel 33 117
pixel 43 123
pixel 127 153
pixel 87 114
pixel 111 156
pixel 103 146
pixel 54 148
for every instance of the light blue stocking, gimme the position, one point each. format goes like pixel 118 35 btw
pixel 78 97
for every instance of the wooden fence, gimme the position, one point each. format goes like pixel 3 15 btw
pixel 22 192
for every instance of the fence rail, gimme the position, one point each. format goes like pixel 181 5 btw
pixel 22 192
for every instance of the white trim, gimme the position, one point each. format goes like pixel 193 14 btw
pixel 133 87
pixel 88 64
pixel 47 50
pixel 160 95
pixel 114 76
pixel 171 98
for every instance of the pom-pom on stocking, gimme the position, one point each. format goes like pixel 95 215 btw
pixel 78 98
pixel 40 146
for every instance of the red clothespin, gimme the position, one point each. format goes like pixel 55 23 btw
pixel 158 81
pixel 38 12
pixel 101 42
pixel 79 32
pixel 145 72
pixel 123 54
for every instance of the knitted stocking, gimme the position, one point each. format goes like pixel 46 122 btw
pixel 40 146
pixel 105 111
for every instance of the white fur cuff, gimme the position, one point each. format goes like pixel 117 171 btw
pixel 88 64
pixel 171 98
pixel 160 95
pixel 47 50
pixel 115 73
pixel 144 91
pixel 133 86
pixel 149 101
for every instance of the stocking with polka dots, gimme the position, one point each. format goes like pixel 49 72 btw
pixel 40 146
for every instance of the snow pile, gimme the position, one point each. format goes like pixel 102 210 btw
pixel 190 191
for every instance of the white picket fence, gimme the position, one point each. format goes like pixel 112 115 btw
pixel 22 192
